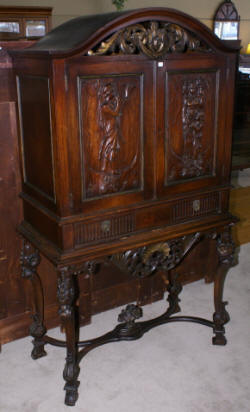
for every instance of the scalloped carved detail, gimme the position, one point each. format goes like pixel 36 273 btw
pixel 153 38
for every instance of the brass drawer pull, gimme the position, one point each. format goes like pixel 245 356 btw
pixel 196 205
pixel 105 226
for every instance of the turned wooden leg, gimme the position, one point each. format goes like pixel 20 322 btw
pixel 66 294
pixel 225 249
pixel 30 260
pixel 174 288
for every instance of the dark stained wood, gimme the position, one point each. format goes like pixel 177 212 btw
pixel 15 294
pixel 135 135
pixel 34 97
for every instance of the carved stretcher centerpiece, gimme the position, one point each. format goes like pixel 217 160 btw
pixel 125 124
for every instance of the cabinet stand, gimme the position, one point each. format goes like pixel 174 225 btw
pixel 143 261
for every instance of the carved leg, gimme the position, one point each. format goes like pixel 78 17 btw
pixel 174 288
pixel 225 249
pixel 66 294
pixel 30 260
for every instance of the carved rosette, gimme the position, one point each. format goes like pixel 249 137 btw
pixel 152 38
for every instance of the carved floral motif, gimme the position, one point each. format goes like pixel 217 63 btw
pixel 153 38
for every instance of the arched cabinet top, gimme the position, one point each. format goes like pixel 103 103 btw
pixel 154 32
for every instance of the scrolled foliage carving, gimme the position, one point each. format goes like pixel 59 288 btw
pixel 146 260
pixel 152 38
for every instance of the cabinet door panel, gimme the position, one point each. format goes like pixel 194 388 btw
pixel 190 138
pixel 110 108
pixel 114 133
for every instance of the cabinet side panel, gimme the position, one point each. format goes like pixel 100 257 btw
pixel 36 135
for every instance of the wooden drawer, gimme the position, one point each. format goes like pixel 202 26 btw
pixel 145 217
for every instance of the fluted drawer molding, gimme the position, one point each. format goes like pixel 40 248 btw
pixel 106 228
pixel 196 206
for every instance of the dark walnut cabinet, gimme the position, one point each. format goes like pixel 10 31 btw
pixel 125 140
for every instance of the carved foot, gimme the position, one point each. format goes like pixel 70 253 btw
pixel 38 350
pixel 219 339
pixel 71 393
pixel 128 316
pixel 70 375
pixel 220 319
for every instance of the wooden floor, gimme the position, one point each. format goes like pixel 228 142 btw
pixel 240 207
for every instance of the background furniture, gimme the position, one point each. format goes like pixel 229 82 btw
pixel 15 304
pixel 241 130
pixel 131 118
pixel 18 23
pixel 227 23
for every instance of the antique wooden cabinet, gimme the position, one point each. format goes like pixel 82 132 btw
pixel 125 137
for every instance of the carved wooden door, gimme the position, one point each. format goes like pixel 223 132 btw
pixel 111 137
pixel 191 134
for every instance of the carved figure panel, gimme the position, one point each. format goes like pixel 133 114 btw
pixel 190 126
pixel 112 130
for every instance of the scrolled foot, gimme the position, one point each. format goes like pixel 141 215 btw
pixel 70 375
pixel 219 339
pixel 38 350
pixel 220 319
pixel 71 393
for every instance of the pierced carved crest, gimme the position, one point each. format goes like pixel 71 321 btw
pixel 153 39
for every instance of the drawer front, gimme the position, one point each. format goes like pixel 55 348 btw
pixel 195 207
pixel 146 218
pixel 103 229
